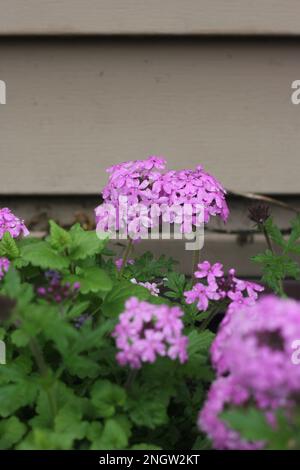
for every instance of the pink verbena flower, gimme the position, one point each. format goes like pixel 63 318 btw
pixel 129 195
pixel 12 224
pixel 4 267
pixel 197 188
pixel 119 263
pixel 216 286
pixel 139 196
pixel 224 392
pixel 256 345
pixel 146 331
pixel 151 286
pixel 256 348
pixel 55 290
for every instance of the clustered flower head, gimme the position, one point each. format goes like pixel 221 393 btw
pixel 4 266
pixel 146 331
pixel 140 195
pixel 55 290
pixel 197 188
pixel 216 286
pixel 151 286
pixel 119 263
pixel 12 224
pixel 253 356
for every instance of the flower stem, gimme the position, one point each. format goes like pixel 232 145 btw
pixel 125 256
pixel 130 379
pixel 207 321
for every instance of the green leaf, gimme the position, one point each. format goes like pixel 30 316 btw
pixel 11 431
pixel 143 446
pixel 114 301
pixel 59 237
pixel 19 338
pixel 146 267
pixel 106 397
pixel 148 407
pixel 85 243
pixel 69 426
pixel 114 436
pixel 44 256
pixel 91 279
pixel 8 246
pixel 274 232
pixel 276 268
pixel 82 366
pixel 78 309
pixel 199 342
pixel 15 396
pixel 250 423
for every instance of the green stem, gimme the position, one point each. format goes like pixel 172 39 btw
pixel 40 361
pixel 125 256
pixel 130 379
pixel 210 316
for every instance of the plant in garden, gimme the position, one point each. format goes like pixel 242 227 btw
pixel 277 261
pixel 62 387
pixel 113 353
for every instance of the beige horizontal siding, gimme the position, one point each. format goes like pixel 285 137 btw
pixel 75 107
pixel 149 17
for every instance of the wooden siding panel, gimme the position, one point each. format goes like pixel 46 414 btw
pixel 149 17
pixel 75 107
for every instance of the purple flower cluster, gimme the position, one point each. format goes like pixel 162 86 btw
pixel 146 331
pixel 216 286
pixel 254 355
pixel 139 195
pixel 12 224
pixel 4 266
pixel 197 188
pixel 54 290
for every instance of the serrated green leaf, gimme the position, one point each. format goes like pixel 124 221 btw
pixel 11 431
pixel 59 237
pixel 85 243
pixel 113 437
pixel 15 396
pixel 106 397
pixel 44 256
pixel 8 246
pixel 19 338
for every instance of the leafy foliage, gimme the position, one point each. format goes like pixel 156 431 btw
pixel 278 263
pixel 61 387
